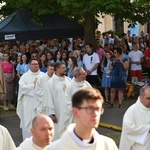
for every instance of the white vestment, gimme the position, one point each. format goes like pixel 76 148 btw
pixel 136 126
pixel 39 93
pixel 67 117
pixel 69 141
pixel 6 141
pixel 25 104
pixel 28 144
pixel 54 98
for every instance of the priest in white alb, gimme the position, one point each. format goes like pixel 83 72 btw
pixel 54 95
pixel 42 134
pixel 82 135
pixel 136 124
pixel 40 86
pixel 6 141
pixel 25 104
pixel 78 82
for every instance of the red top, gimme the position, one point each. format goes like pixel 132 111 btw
pixel 7 67
pixel 147 54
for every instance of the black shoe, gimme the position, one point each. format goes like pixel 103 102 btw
pixel 106 103
pixel 111 106
pixel 120 106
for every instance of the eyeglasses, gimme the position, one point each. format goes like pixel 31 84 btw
pixel 34 64
pixel 91 110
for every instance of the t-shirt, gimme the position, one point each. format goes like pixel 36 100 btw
pixel 89 61
pixel 22 68
pixel 147 54
pixel 100 53
pixel 135 56
pixel 7 67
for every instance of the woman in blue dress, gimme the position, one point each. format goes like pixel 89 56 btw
pixel 118 76
pixel 23 66
pixel 106 75
pixel 43 62
pixel 76 54
pixel 72 62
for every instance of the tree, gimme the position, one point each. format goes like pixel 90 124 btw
pixel 84 10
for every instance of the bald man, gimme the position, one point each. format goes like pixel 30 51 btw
pixel 42 134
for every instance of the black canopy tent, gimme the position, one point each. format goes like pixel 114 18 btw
pixel 19 26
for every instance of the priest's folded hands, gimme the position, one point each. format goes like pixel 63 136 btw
pixel 53 117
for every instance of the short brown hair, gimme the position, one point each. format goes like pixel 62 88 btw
pixel 86 94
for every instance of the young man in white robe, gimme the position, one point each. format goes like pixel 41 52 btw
pixel 54 95
pixel 136 124
pixel 6 141
pixel 78 82
pixel 42 134
pixel 25 109
pixel 40 86
pixel 87 109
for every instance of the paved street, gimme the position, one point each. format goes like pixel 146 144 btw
pixel 112 118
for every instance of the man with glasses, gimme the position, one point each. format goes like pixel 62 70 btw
pixel 87 109
pixel 26 103
pixel 78 82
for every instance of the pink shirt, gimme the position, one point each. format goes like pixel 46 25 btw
pixel 101 53
pixel 7 67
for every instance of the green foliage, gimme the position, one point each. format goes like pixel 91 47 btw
pixel 130 11
pixel 78 10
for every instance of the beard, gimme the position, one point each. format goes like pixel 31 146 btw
pixel 63 74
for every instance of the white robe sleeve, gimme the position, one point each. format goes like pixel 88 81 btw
pixel 48 100
pixel 38 96
pixel 134 133
pixel 6 142
pixel 24 88
pixel 134 129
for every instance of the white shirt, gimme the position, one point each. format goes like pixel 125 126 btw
pixel 135 56
pixel 90 60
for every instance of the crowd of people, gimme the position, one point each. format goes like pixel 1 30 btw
pixel 100 68
pixel 46 77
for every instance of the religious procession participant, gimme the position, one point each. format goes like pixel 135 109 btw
pixel 87 109
pixel 136 124
pixel 6 141
pixel 78 82
pixel 54 95
pixel 42 134
pixel 40 86
pixel 27 84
